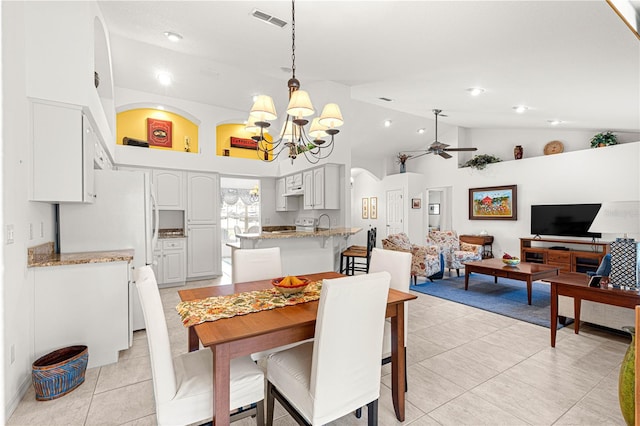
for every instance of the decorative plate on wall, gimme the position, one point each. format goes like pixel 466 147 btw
pixel 553 147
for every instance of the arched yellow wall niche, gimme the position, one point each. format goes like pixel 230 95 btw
pixel 133 124
pixel 224 132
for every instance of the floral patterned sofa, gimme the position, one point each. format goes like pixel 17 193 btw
pixel 455 251
pixel 426 261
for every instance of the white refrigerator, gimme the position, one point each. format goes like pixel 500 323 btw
pixel 123 216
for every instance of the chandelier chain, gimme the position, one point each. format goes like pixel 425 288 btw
pixel 293 38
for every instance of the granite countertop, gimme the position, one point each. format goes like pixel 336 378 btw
pixel 291 233
pixel 164 234
pixel 43 255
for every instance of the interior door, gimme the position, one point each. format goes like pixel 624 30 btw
pixel 395 212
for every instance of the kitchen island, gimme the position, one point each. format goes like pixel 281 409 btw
pixel 302 252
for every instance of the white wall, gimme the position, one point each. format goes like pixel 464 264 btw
pixel 18 282
pixel 589 175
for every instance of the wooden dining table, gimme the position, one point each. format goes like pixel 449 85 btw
pixel 246 334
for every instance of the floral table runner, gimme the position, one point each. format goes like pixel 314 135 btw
pixel 214 308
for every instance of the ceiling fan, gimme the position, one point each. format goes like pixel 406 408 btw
pixel 437 147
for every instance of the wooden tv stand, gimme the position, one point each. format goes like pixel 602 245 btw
pixel 568 259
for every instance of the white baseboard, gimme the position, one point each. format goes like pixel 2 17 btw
pixel 12 404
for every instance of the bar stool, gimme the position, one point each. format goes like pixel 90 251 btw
pixel 358 257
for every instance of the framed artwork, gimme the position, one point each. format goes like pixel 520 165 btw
pixel 373 207
pixel 434 208
pixel 365 208
pixel 493 203
pixel 243 143
pixel 416 203
pixel 159 132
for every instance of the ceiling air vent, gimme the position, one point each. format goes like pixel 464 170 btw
pixel 386 99
pixel 265 17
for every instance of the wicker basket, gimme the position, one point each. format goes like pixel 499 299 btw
pixel 59 372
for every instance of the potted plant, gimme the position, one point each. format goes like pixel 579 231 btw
pixel 480 161
pixel 402 159
pixel 603 139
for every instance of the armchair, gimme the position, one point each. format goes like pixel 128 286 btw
pixel 425 261
pixel 455 251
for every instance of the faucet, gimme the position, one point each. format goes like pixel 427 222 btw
pixel 328 218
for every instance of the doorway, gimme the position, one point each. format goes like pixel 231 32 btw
pixel 438 211
pixel 239 213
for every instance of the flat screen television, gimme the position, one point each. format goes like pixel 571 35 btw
pixel 565 220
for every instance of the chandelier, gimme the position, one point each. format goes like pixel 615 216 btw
pixel 294 138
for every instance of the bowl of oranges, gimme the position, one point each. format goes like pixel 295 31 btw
pixel 290 284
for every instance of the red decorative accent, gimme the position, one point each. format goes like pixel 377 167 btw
pixel 159 132
pixel 243 143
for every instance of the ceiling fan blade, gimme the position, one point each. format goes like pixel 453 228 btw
pixel 444 155
pixel 419 155
pixel 460 149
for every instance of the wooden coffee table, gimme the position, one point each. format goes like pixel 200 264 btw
pixel 528 272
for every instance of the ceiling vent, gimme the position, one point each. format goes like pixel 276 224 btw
pixel 269 19
pixel 386 99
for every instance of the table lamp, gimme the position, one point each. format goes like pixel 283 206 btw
pixel 621 217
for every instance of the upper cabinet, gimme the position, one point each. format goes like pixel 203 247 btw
pixel 169 189
pixel 283 203
pixel 202 198
pixel 322 188
pixel 63 142
pixel 68 60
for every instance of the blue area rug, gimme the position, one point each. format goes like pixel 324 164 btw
pixel 507 297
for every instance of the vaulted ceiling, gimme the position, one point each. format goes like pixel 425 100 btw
pixel 573 61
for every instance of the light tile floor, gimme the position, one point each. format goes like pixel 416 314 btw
pixel 465 367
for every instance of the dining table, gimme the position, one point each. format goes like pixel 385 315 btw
pixel 243 335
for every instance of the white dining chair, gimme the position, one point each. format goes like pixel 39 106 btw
pixel 255 264
pixel 183 386
pixel 398 264
pixel 323 380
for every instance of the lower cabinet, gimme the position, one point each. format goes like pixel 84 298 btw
pixel 203 251
pixel 85 304
pixel 170 261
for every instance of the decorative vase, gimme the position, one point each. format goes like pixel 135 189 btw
pixel 626 381
pixel 518 152
pixel 403 168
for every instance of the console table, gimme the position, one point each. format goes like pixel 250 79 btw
pixel 577 286
pixel 559 253
pixel 486 241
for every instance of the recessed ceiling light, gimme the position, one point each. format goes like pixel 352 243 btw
pixel 387 123
pixel 420 131
pixel 520 108
pixel 164 78
pixel 475 91
pixel 554 122
pixel 174 37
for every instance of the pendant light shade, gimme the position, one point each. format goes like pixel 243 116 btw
pixel 263 109
pixel 317 130
pixel 300 104
pixel 331 116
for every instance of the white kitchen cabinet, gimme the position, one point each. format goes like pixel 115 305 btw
pixel 203 251
pixel 321 188
pixel 63 147
pixel 84 304
pixel 294 183
pixel 169 187
pixel 170 261
pixel 285 204
pixel 203 203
